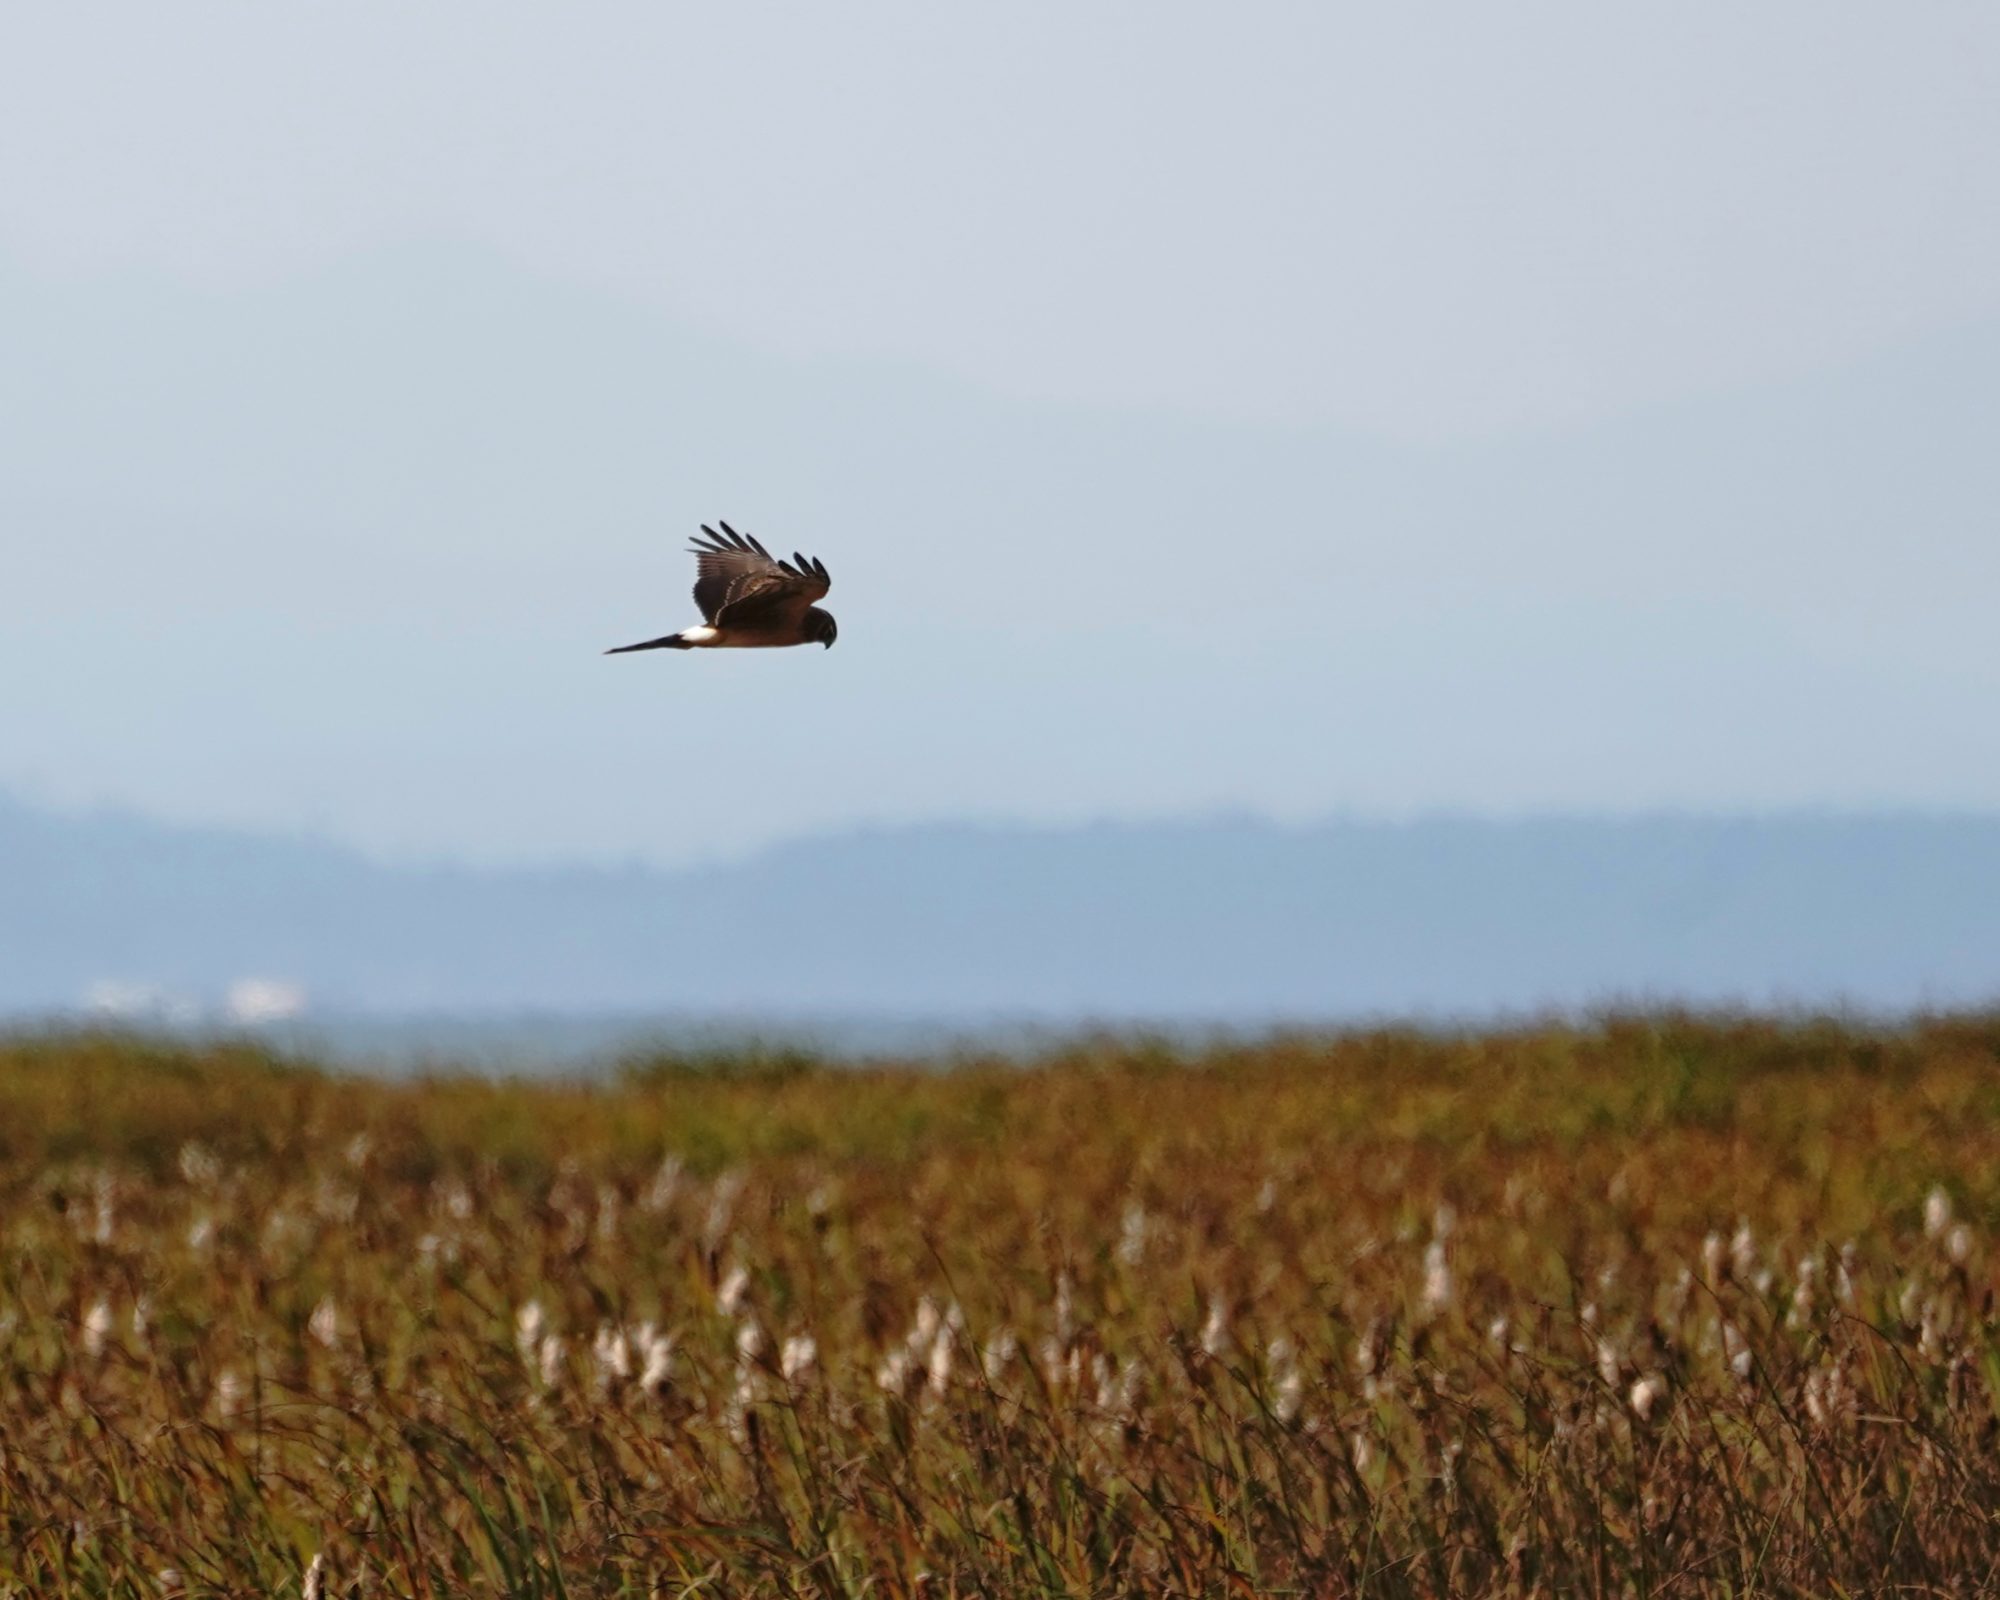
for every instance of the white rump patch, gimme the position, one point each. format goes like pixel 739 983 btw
pixel 701 633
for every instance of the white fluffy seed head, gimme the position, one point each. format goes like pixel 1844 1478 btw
pixel 1065 1309
pixel 611 1351
pixel 198 1164
pixel 549 1357
pixel 1743 1252
pixel 105 1194
pixel 924 1331
pixel 1105 1376
pixel 1827 1395
pixel 530 1323
pixel 999 1354
pixel 721 1207
pixel 1373 1346
pixel 798 1357
pixel 1288 1384
pixel 1937 1213
pixel 666 1184
pixel 938 1367
pixel 658 1351
pixel 1646 1394
pixel 1438 1290
pixel 1132 1235
pixel 1117 1387
pixel 1931 1340
pixel 96 1328
pixel 232 1394
pixel 1736 1350
pixel 893 1375
pixel 1215 1331
pixel 1805 1298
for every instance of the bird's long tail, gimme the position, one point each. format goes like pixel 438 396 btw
pixel 672 641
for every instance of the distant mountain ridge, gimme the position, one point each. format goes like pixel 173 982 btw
pixel 1230 920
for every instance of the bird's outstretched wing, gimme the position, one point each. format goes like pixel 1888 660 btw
pixel 740 585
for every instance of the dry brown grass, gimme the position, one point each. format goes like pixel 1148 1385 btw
pixel 1651 1308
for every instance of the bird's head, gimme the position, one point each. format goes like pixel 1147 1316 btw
pixel 820 627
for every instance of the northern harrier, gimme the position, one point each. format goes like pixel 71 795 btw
pixel 748 600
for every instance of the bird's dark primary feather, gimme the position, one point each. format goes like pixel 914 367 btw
pixel 739 584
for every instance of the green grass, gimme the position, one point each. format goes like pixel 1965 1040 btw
pixel 1648 1308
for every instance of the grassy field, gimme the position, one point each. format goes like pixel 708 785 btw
pixel 1659 1307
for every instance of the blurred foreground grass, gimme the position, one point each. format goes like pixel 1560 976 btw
pixel 1663 1306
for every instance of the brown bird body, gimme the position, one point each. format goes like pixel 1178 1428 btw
pixel 749 600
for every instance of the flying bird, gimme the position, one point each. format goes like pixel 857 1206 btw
pixel 749 600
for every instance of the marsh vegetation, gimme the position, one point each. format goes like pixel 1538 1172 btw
pixel 1659 1306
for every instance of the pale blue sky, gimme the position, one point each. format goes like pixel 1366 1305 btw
pixel 1290 409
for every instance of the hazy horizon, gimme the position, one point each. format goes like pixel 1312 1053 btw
pixel 1242 921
